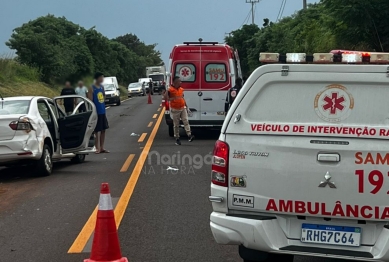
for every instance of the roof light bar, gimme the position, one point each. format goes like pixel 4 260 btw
pixel 296 57
pixel 347 57
pixel 322 58
pixel 379 58
pixel 269 57
pixel 352 58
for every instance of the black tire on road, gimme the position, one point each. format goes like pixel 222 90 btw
pixel 250 255
pixel 78 159
pixel 171 131
pixel 118 103
pixel 275 258
pixel 44 167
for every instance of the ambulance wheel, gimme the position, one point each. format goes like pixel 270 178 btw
pixel 171 131
pixel 250 255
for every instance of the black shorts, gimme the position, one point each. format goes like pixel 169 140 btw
pixel 102 123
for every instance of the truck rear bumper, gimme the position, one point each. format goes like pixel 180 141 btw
pixel 267 236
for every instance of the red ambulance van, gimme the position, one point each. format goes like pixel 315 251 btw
pixel 207 70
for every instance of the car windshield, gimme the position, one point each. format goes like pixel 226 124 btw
pixel 14 107
pixel 134 85
pixel 109 87
pixel 157 77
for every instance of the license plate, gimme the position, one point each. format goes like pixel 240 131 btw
pixel 106 100
pixel 331 235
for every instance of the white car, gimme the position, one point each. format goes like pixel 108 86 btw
pixel 136 89
pixel 112 90
pixel 35 130
pixel 301 165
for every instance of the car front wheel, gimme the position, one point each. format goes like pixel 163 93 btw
pixel 78 159
pixel 45 163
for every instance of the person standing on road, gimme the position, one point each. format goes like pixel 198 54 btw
pixel 69 103
pixel 163 88
pixel 232 93
pixel 97 95
pixel 81 90
pixel 178 109
pixel 244 79
pixel 151 87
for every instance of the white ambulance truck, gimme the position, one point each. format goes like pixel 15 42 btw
pixel 301 166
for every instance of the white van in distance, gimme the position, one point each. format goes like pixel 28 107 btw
pixel 112 90
pixel 301 165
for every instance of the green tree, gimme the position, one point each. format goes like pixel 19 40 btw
pixel 150 55
pixel 104 56
pixel 360 24
pixel 242 40
pixel 128 63
pixel 54 46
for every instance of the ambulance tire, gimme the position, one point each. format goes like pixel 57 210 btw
pixel 250 255
pixel 171 131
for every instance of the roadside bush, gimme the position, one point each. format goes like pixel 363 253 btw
pixel 11 70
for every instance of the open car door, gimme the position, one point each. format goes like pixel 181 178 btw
pixel 75 128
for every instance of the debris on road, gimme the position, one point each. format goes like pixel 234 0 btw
pixel 172 168
pixel 133 134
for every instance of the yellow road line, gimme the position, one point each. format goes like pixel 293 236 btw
pixel 150 124
pixel 127 164
pixel 85 234
pixel 142 137
pixel 155 115
pixel 87 230
pixel 159 109
pixel 129 189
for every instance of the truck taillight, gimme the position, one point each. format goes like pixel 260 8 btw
pixel 219 174
pixel 20 125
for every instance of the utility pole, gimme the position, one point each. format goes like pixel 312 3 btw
pixel 252 2
pixel 304 4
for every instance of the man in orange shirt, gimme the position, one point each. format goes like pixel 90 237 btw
pixel 178 109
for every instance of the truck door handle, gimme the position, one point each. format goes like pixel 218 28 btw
pixel 207 99
pixel 328 157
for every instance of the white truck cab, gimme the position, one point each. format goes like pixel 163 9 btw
pixel 112 90
pixel 301 166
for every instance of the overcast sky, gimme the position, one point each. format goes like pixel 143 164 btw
pixel 165 22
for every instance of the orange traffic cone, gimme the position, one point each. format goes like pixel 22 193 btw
pixel 149 100
pixel 105 247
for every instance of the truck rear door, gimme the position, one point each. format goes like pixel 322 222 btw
pixel 312 143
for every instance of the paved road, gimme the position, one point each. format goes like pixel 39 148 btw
pixel 163 215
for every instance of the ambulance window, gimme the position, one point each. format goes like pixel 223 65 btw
pixel 186 72
pixel 215 73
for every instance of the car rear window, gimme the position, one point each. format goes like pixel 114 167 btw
pixel 14 107
pixel 186 72
pixel 215 72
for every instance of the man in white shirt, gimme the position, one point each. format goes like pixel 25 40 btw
pixel 81 90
